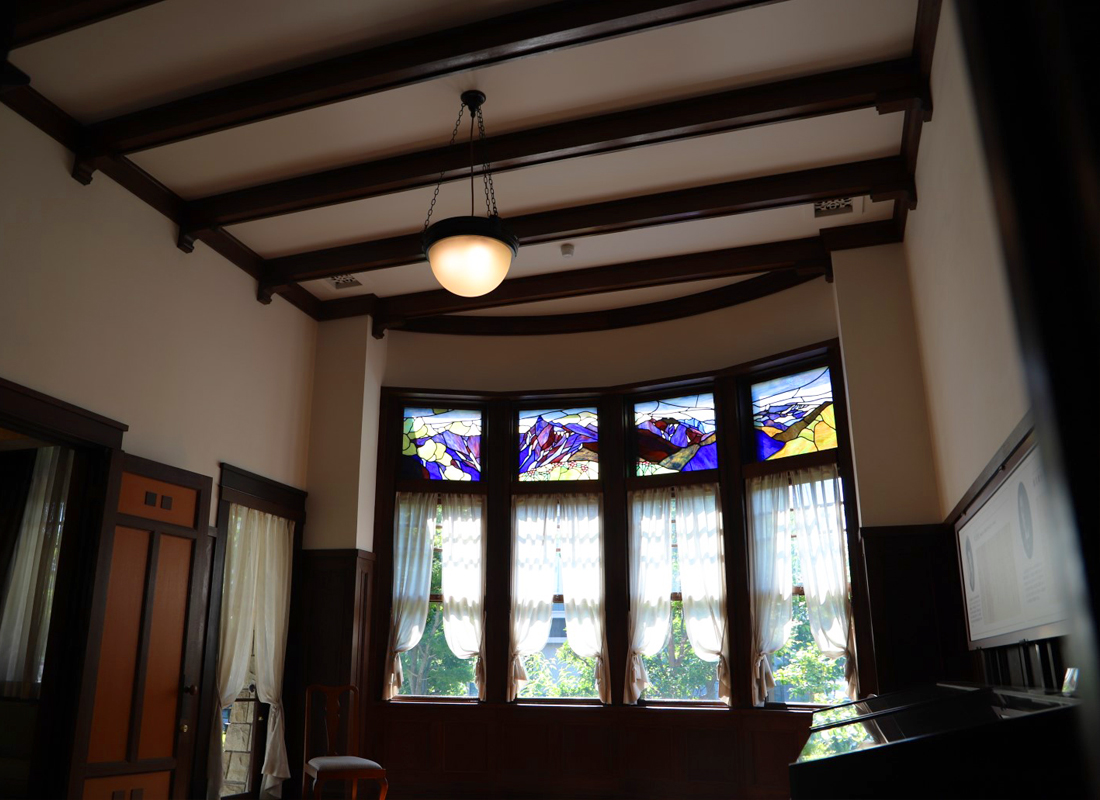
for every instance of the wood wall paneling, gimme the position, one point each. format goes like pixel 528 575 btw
pixel 118 654
pixel 146 786
pixel 163 678
pixel 145 497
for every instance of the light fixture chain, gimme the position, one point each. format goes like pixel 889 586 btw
pixel 486 175
pixel 435 195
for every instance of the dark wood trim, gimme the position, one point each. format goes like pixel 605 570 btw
pixel 808 255
pixel 889 86
pixel 919 110
pixel 882 179
pixel 26 407
pixel 244 485
pixel 662 311
pixel 42 19
pixel 441 487
pixel 731 485
pixel 109 768
pixel 866 666
pixel 543 29
pixel 1022 434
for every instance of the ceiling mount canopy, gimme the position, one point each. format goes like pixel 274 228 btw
pixel 470 256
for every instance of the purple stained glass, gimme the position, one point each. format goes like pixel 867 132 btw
pixel 676 435
pixel 559 444
pixel 441 444
pixel 794 415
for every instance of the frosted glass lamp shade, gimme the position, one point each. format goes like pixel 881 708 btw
pixel 469 256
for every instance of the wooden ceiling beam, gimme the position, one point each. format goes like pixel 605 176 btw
pixel 889 86
pixel 65 130
pixel 542 29
pixel 882 179
pixel 42 19
pixel 647 314
pixel 805 254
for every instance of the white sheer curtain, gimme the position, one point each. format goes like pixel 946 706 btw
pixel 534 544
pixel 464 579
pixel 819 521
pixel 580 538
pixel 255 610
pixel 650 583
pixel 412 577
pixel 28 601
pixel 770 578
pixel 703 577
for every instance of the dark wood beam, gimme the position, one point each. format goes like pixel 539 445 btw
pixel 42 19
pixel 882 179
pixel 919 112
pixel 741 292
pixel 889 86
pixel 543 29
pixel 804 254
pixel 65 130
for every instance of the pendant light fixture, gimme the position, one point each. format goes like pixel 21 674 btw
pixel 470 256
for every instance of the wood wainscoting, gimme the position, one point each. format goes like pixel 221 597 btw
pixel 542 750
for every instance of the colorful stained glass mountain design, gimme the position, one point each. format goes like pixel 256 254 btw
pixel 794 415
pixel 559 445
pixel 676 435
pixel 441 444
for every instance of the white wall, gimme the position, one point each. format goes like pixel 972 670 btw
pixel 794 318
pixel 343 445
pixel 99 308
pixel 972 366
pixel 891 443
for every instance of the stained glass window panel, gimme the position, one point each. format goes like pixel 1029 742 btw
pixel 559 445
pixel 676 435
pixel 794 415
pixel 441 444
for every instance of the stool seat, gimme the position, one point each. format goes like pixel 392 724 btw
pixel 333 763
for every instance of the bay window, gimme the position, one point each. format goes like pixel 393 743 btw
pixel 650 520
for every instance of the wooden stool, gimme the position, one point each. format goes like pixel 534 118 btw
pixel 333 766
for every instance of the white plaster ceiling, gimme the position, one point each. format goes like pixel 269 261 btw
pixel 760 227
pixel 179 47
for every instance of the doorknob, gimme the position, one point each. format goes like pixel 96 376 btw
pixel 183 728
pixel 192 689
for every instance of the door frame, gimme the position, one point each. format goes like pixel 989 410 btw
pixel 194 626
pixel 254 491
pixel 97 442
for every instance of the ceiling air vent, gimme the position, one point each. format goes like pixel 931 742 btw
pixel 830 208
pixel 344 281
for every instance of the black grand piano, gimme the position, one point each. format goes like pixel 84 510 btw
pixel 944 740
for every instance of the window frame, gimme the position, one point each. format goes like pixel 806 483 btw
pixel 617 450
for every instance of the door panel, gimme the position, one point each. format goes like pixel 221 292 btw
pixel 118 654
pixel 147 786
pixel 139 737
pixel 167 632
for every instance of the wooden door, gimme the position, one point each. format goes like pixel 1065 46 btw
pixel 137 723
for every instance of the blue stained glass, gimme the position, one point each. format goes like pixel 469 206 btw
pixel 441 444
pixel 559 444
pixel 676 435
pixel 794 415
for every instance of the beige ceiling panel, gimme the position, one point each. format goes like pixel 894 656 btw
pixel 795 222
pixel 177 48
pixel 786 39
pixel 804 144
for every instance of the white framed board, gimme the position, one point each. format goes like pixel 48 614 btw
pixel 1011 587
